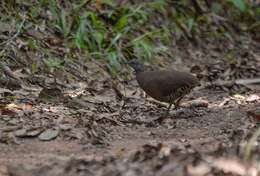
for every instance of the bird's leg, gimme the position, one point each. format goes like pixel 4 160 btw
pixel 177 103
pixel 160 119
pixel 168 109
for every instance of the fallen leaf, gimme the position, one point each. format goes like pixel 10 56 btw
pixel 27 132
pixel 230 166
pixel 33 133
pixel 201 169
pixel 20 132
pixel 48 134
pixel 240 97
pixel 165 150
pixel 252 98
pixel 65 126
pixel 8 112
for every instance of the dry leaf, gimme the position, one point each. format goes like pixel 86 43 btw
pixel 48 134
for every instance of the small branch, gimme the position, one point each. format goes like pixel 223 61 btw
pixel 248 81
pixel 9 72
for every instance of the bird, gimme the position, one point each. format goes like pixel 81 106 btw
pixel 168 86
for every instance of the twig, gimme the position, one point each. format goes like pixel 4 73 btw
pixel 11 128
pixel 248 81
pixel 9 72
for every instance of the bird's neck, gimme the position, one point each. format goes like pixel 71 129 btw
pixel 139 69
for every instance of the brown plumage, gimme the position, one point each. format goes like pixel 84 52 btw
pixel 168 86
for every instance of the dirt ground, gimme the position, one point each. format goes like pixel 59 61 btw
pixel 97 128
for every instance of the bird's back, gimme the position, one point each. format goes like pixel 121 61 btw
pixel 166 85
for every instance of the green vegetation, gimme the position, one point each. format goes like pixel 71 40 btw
pixel 107 30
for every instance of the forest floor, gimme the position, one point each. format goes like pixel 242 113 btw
pixel 63 114
pixel 99 127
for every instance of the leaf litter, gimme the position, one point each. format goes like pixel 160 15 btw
pixel 107 128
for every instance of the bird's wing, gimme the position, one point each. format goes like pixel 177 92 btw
pixel 170 82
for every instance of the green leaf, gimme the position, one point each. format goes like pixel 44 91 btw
pixel 112 57
pixel 114 40
pixel 122 22
pixel 64 23
pixel 77 7
pixel 34 67
pixel 32 44
pixel 79 36
pixel 114 64
pixel 99 37
pixel 190 24
pixel 240 4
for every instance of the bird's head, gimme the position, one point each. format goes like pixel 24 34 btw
pixel 137 66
